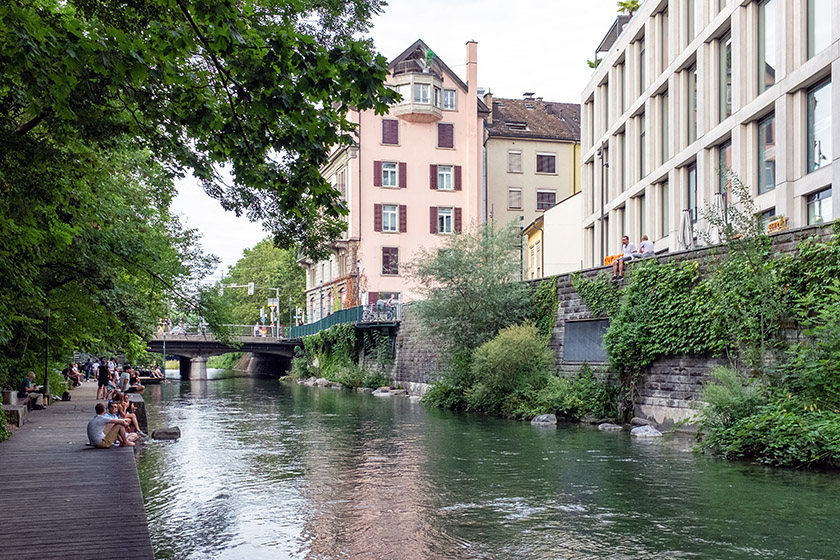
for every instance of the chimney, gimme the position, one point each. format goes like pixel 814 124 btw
pixel 472 68
pixel 488 100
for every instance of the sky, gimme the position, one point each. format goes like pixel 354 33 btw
pixel 538 46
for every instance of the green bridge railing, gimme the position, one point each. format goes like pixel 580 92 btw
pixel 351 315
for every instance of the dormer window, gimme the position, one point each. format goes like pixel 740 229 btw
pixel 516 125
pixel 529 106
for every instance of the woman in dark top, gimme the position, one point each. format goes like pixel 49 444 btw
pixel 102 378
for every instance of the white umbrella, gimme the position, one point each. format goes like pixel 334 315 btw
pixel 718 213
pixel 686 234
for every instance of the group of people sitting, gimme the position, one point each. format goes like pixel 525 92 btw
pixel 115 423
pixel 111 380
pixel 630 253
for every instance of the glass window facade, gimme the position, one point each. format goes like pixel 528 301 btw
pixel 724 168
pixel 692 191
pixel 692 104
pixel 819 127
pixel 819 207
pixel 666 125
pixel 766 155
pixel 664 211
pixel 819 25
pixel 766 45
pixel 642 155
pixel 725 77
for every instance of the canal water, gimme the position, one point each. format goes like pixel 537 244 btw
pixel 273 470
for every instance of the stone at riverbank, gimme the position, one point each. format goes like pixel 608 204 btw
pixel 609 427
pixel 645 432
pixel 545 421
pixel 173 433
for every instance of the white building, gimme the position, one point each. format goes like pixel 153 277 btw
pixel 690 86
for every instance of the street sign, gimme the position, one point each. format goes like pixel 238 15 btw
pixel 250 288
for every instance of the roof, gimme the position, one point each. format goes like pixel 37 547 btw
pixel 612 35
pixel 419 44
pixel 535 118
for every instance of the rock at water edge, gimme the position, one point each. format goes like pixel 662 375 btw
pixel 382 392
pixel 636 421
pixel 645 432
pixel 609 427
pixel 548 420
pixel 167 433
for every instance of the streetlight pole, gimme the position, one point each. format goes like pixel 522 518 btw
pixel 47 358
pixel 290 312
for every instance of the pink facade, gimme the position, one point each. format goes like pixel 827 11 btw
pixel 414 178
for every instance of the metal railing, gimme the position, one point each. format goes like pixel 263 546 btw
pixel 351 315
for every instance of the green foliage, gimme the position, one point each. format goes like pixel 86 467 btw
pixel 258 87
pixel 600 294
pixel 5 433
pixel 571 398
pixel 629 7
pixel 268 267
pixel 544 306
pixel 731 399
pixel 517 359
pixel 225 361
pixel 469 286
pixel 334 354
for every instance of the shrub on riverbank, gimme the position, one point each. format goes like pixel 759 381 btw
pixel 225 361
pixel 512 375
pixel 4 428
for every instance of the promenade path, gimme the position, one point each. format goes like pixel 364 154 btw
pixel 60 498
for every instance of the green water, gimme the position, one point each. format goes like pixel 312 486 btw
pixel 267 470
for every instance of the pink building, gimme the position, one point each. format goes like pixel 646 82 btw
pixel 413 177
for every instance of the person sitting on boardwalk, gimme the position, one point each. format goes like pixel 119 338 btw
pixel 29 389
pixel 115 411
pixel 103 432
pixel 627 250
pixel 134 385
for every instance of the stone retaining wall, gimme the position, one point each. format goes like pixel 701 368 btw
pixel 418 360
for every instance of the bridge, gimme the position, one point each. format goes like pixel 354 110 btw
pixel 193 348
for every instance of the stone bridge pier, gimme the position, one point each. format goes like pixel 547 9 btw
pixel 193 367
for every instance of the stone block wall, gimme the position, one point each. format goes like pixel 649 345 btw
pixel 418 360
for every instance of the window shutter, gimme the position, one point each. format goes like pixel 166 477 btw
pixel 457 177
pixel 446 135
pixel 377 173
pixel 403 175
pixel 403 218
pixel 373 296
pixel 457 225
pixel 433 219
pixel 433 177
pixel 390 131
pixel 377 217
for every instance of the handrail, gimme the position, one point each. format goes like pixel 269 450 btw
pixel 351 315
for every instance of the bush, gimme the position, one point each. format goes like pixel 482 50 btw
pixel 572 398
pixel 516 360
pixel 729 400
pixel 4 429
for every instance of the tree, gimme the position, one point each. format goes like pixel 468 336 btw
pixel 470 286
pixel 259 87
pixel 266 266
pixel 628 7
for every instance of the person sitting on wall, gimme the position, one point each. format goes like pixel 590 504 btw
pixel 103 432
pixel 627 250
pixel 29 389
pixel 645 250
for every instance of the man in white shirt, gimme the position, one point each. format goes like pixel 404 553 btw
pixel 627 250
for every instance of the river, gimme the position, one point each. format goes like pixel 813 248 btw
pixel 273 470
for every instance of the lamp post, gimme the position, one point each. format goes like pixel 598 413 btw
pixel 47 356
pixel 321 296
pixel 290 312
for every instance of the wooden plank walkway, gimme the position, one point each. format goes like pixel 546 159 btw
pixel 60 498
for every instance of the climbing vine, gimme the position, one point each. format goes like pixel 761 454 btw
pixel 544 305
pixel 599 294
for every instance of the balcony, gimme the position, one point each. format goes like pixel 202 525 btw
pixel 421 87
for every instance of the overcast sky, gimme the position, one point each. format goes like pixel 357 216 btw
pixel 531 45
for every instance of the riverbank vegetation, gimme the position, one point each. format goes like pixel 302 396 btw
pixel 774 317
pixel 494 331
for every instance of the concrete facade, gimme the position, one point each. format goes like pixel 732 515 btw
pixel 412 178
pixel 554 240
pixel 691 86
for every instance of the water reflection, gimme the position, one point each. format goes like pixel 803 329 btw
pixel 268 470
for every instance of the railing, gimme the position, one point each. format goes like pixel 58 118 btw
pixel 416 66
pixel 351 315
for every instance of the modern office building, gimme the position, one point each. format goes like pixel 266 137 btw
pixel 688 87
pixel 412 178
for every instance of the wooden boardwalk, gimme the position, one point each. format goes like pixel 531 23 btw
pixel 60 498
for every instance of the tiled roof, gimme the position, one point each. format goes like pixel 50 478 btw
pixel 535 118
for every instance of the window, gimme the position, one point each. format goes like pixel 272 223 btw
pixel 515 198
pixel 622 162
pixel 663 27
pixel 446 135
pixel 389 174
pixel 621 218
pixel 642 215
pixel 390 131
pixel 449 100
pixel 664 211
pixel 341 182
pixel 514 162
pixel 766 155
pixel 389 218
pixel 390 260
pixel 766 217
pixel 642 158
pixel 421 93
pixel 444 178
pixel 692 104
pixel 819 25
pixel 444 220
pixel 532 260
pixel 665 125
pixel 766 45
pixel 546 199
pixel 641 66
pixel 819 126
pixel 437 97
pixel 819 207
pixel 724 168
pixel 692 191
pixel 546 163
pixel 622 84
pixel 689 21
pixel 605 96
pixel 538 260
pixel 725 77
